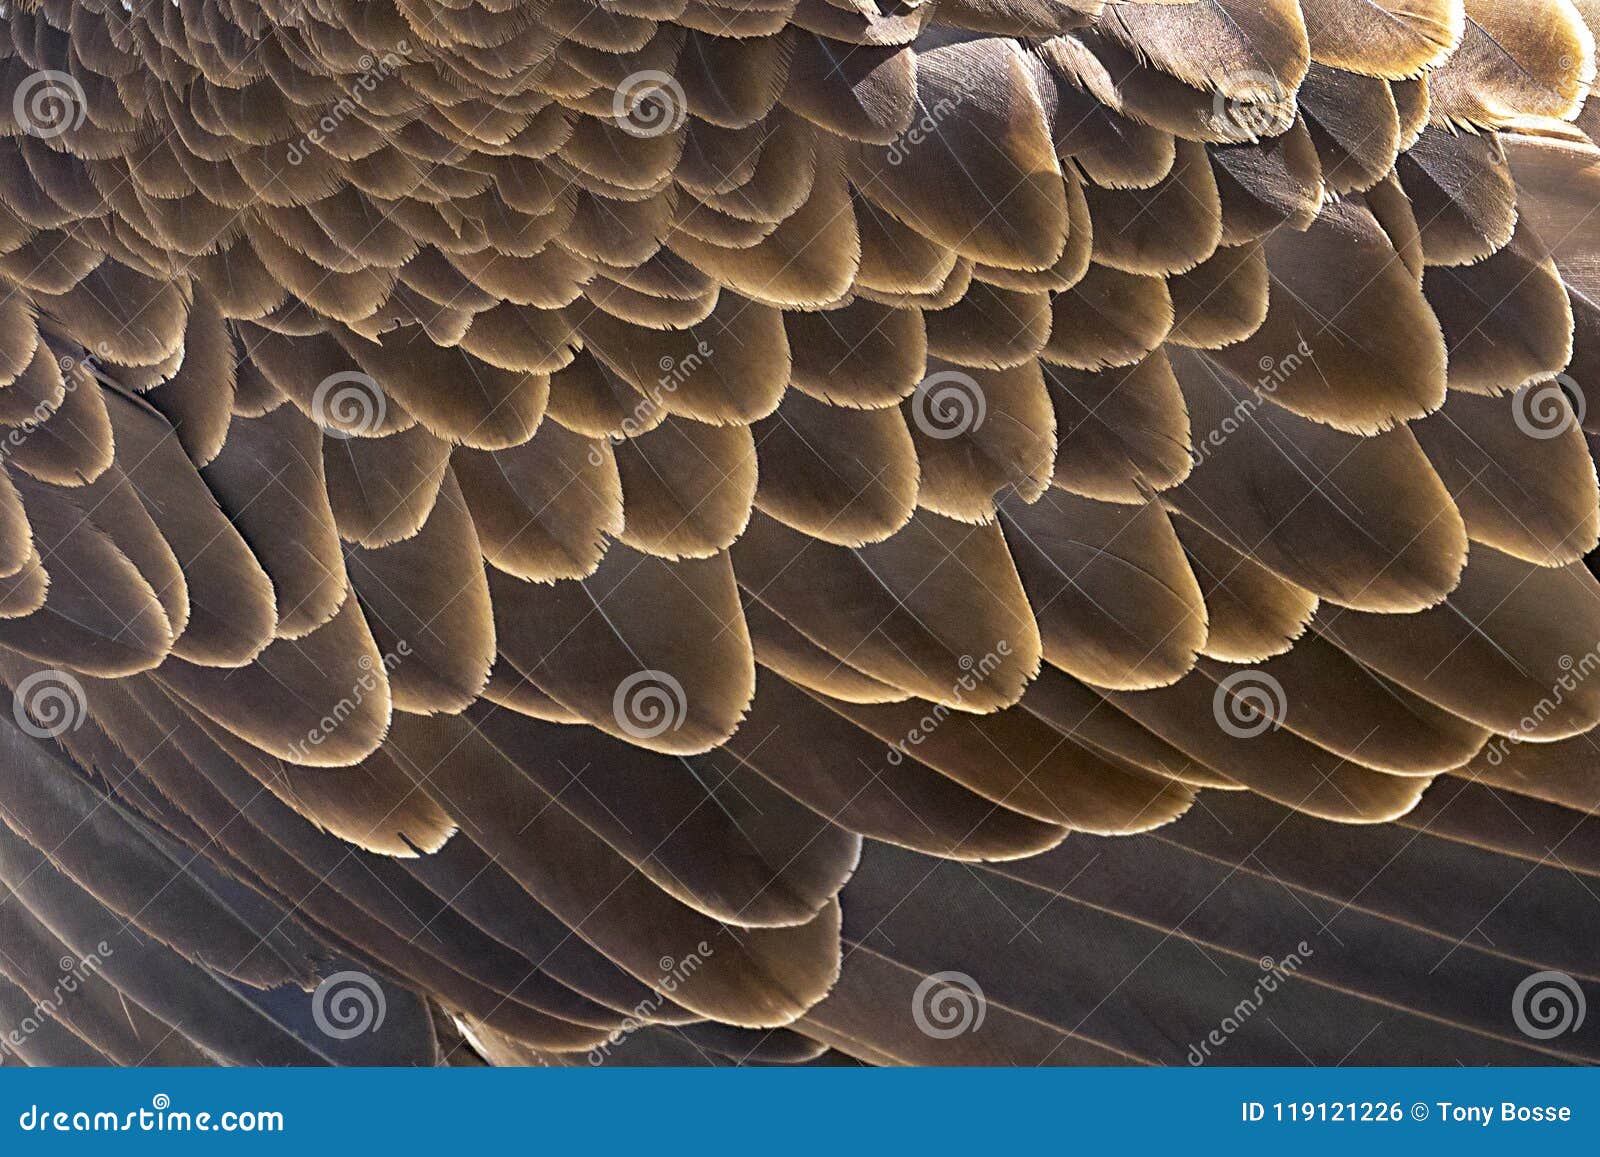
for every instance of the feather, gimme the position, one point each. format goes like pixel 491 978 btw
pixel 1263 461
pixel 426 601
pixel 1044 775
pixel 381 490
pixel 892 627
pixel 780 648
pixel 1252 614
pixel 903 802
pixel 1383 38
pixel 1222 300
pixel 1008 208
pixel 1501 339
pixel 1318 302
pixel 542 510
pixel 1271 183
pixel 686 487
pixel 1108 319
pixel 457 396
pixel 863 354
pixel 841 475
pixel 1116 602
pixel 1123 432
pixel 322 700
pixel 731 368
pixel 1168 228
pixel 1193 404
pixel 115 626
pixel 1502 663
pixel 73 444
pixel 1354 123
pixel 978 435
pixel 1526 494
pixel 602 647
pixel 232 613
pixel 48 805
pixel 774 864
pixel 1227 46
pixel 1461 187
pixel 1514 60
pixel 1339 706
pixel 761 979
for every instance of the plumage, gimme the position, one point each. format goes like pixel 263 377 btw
pixel 653 530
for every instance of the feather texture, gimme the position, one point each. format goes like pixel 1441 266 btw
pixel 659 527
